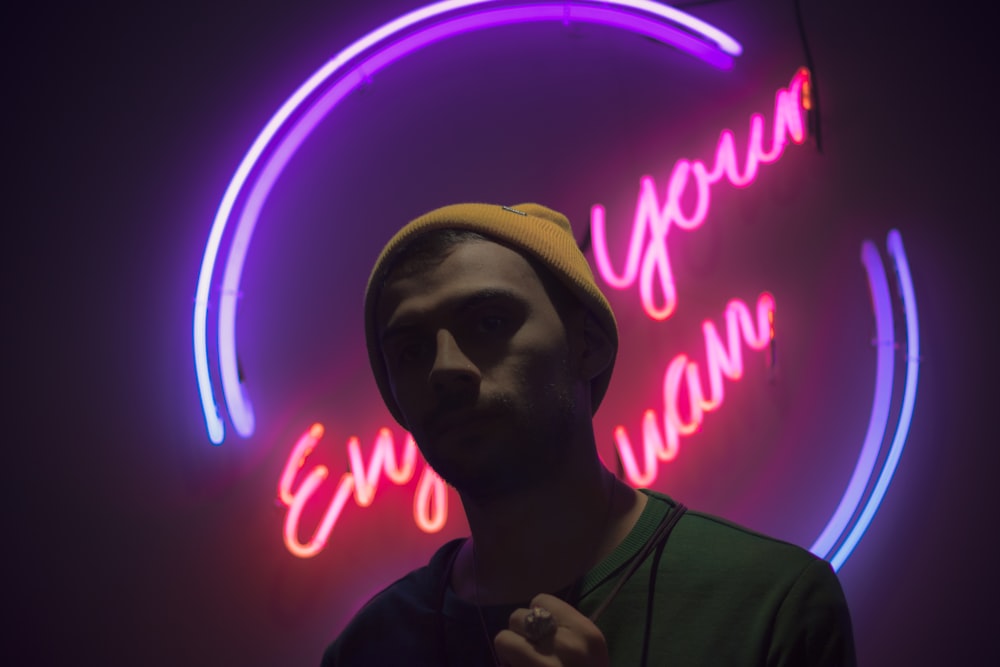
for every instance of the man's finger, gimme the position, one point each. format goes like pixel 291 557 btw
pixel 551 632
pixel 536 624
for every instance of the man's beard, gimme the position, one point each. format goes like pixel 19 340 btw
pixel 537 439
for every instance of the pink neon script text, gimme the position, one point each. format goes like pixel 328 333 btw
pixel 682 375
pixel 430 502
pixel 721 360
pixel 656 220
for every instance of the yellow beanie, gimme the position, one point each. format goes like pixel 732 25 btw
pixel 543 234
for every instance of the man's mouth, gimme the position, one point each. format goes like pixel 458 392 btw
pixel 449 423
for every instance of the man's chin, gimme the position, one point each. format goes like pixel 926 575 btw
pixel 484 491
pixel 490 482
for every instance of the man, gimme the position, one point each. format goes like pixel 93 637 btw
pixel 492 344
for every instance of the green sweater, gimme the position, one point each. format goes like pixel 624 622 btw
pixel 717 595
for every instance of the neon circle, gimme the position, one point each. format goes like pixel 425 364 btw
pixel 846 526
pixel 294 121
pixel 314 99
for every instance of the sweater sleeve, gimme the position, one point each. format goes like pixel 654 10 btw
pixel 813 626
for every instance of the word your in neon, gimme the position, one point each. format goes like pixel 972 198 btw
pixel 430 503
pixel 647 258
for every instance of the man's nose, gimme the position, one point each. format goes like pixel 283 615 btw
pixel 452 372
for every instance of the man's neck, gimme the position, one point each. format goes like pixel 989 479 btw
pixel 544 538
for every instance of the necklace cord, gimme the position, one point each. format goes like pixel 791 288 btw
pixel 475 573
pixel 660 536
pixel 479 607
pixel 650 597
pixel 657 541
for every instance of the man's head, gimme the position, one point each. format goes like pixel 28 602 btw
pixel 490 343
pixel 543 236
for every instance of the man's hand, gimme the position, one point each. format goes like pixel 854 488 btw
pixel 577 642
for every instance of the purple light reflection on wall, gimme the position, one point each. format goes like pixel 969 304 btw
pixel 291 125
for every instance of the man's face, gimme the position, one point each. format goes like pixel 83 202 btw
pixel 481 366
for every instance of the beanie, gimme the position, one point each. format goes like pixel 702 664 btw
pixel 536 231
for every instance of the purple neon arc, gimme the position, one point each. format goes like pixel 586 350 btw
pixel 894 243
pixel 863 469
pixel 313 100
pixel 841 524
pixel 309 104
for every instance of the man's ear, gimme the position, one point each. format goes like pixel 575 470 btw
pixel 597 351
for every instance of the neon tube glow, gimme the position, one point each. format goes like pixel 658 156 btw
pixel 653 220
pixel 430 504
pixel 430 499
pixel 309 104
pixel 841 524
pixel 721 360
pixel 430 511
pixel 882 305
pixel 894 243
pixel 293 123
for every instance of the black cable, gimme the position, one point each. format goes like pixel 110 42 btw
pixel 660 535
pixel 650 602
pixel 813 116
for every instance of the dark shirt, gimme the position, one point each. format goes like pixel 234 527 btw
pixel 717 594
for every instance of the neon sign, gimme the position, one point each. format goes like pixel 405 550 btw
pixel 651 225
pixel 647 259
pixel 295 120
pixel 845 528
pixel 722 359
pixel 842 532
pixel 654 220
pixel 682 375
pixel 430 505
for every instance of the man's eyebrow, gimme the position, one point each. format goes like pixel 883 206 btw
pixel 483 296
pixel 396 331
pixel 459 304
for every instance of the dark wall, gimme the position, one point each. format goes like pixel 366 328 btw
pixel 136 542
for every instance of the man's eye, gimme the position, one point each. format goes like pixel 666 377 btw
pixel 410 352
pixel 492 323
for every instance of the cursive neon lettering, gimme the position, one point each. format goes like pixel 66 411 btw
pixel 652 220
pixel 430 511
pixel 383 461
pixel 430 505
pixel 648 260
pixel 296 459
pixel 430 508
pixel 683 375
